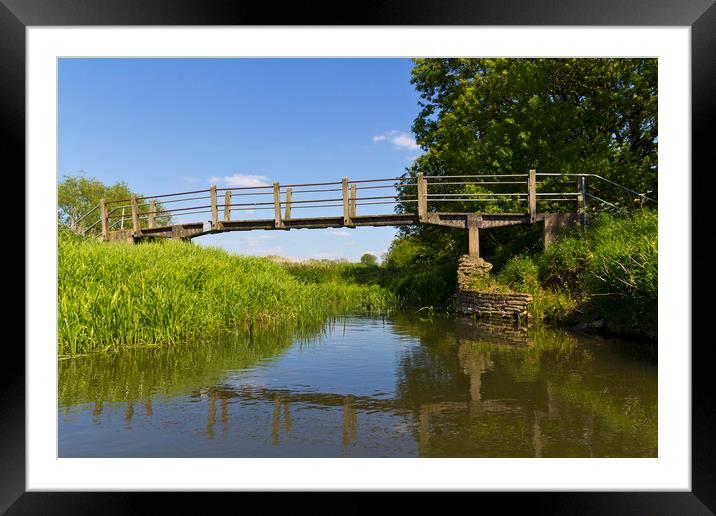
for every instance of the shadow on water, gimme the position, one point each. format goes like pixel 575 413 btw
pixel 367 386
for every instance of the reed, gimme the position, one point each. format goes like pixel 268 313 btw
pixel 113 296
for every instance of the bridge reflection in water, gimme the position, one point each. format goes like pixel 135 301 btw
pixel 473 363
pixel 468 388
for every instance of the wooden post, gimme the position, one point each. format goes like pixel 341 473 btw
pixel 289 193
pixel 136 228
pixel 152 215
pixel 277 205
pixel 214 208
pixel 105 219
pixel 473 236
pixel 422 198
pixel 227 206
pixel 532 194
pixel 354 191
pixel 346 208
pixel 582 200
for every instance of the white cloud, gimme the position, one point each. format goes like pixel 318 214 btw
pixel 341 233
pixel 399 139
pixel 191 179
pixel 404 141
pixel 240 180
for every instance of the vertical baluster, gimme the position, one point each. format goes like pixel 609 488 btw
pixel 105 219
pixel 289 194
pixel 136 228
pixel 227 206
pixel 214 208
pixel 532 194
pixel 277 205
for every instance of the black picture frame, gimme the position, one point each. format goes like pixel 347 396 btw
pixel 700 15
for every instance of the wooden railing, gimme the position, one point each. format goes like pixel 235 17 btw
pixel 424 193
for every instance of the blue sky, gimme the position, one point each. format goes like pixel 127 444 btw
pixel 166 125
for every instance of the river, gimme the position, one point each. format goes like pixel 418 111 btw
pixel 402 385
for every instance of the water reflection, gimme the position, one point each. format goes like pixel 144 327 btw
pixel 537 393
pixel 360 386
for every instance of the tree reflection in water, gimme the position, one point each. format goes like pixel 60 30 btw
pixel 529 394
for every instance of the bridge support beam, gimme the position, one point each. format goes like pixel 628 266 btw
pixel 473 235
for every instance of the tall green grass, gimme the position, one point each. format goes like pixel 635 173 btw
pixel 608 270
pixel 113 295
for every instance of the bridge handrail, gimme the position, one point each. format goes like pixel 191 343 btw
pixel 476 175
pixel 284 197
pixel 600 178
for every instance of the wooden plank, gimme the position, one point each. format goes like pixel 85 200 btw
pixel 532 194
pixel 278 223
pixel 346 208
pixel 105 219
pixel 214 208
pixel 136 227
pixel 152 215
pixel 227 206
pixel 289 194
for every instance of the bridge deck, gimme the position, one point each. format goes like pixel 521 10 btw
pixel 454 220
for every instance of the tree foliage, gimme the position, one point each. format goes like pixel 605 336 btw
pixel 368 259
pixel 78 194
pixel 502 116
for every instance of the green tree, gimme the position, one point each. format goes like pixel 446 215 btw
pixel 77 195
pixel 368 259
pixel 501 116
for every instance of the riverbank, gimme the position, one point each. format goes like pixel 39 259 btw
pixel 114 296
pixel 603 278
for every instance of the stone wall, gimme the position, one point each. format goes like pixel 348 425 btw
pixel 509 305
pixel 469 267
pixel 503 305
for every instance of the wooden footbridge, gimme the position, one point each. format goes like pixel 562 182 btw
pixel 353 203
